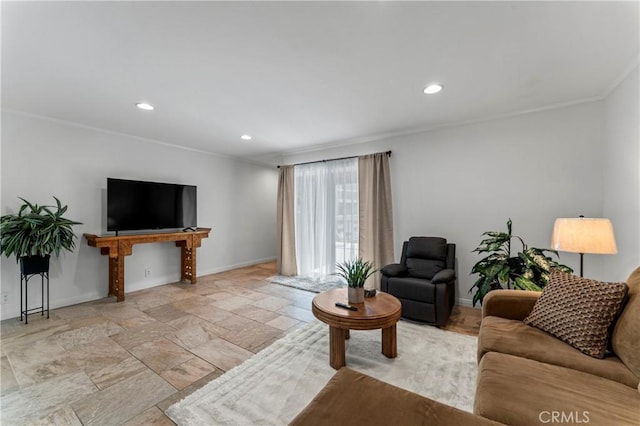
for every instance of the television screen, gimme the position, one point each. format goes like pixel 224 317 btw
pixel 137 205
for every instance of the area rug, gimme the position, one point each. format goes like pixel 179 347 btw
pixel 317 285
pixel 272 387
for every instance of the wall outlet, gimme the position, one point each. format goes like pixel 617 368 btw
pixel 147 272
pixel 4 298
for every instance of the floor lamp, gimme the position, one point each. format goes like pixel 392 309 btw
pixel 583 235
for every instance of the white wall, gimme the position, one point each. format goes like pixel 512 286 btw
pixel 461 181
pixel 622 174
pixel 41 158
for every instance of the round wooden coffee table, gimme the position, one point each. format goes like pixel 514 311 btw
pixel 381 311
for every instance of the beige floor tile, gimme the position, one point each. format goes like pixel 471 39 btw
pixel 8 382
pixel 191 303
pixel 35 402
pixel 115 373
pixel 210 313
pixel 148 300
pixel 62 416
pixel 283 323
pixel 165 313
pixel 222 354
pixel 161 354
pixel 131 338
pixel 298 313
pixel 193 331
pixel 272 303
pixel 219 295
pixel 58 365
pixel 76 312
pixel 245 292
pixel 304 302
pixel 84 335
pixel 128 317
pixel 150 417
pixel 27 335
pixel 88 357
pixel 252 336
pixel 185 374
pixel 168 402
pixel 28 356
pixel 270 341
pixel 98 354
pixel 256 314
pixel 123 401
pixel 231 303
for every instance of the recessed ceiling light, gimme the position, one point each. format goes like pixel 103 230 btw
pixel 433 88
pixel 145 106
pixel 245 137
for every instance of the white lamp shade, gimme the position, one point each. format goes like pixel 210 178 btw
pixel 584 235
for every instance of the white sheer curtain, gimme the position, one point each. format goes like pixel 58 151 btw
pixel 326 215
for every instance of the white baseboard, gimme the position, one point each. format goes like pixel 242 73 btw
pixel 55 304
pixel 235 266
pixel 464 302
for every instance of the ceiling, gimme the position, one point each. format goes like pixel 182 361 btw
pixel 296 75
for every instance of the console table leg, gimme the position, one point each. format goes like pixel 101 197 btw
pixel 188 264
pixel 113 275
pixel 116 277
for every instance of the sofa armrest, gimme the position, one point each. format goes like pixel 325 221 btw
pixel 394 270
pixel 509 304
pixel 444 276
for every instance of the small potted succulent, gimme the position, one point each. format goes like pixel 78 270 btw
pixel 355 272
pixel 34 233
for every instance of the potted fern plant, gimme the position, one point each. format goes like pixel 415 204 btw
pixel 528 270
pixel 35 233
pixel 355 272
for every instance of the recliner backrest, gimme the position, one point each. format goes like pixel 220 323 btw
pixel 425 256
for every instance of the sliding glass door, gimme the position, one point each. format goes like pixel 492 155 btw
pixel 326 215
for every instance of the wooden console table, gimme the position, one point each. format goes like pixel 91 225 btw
pixel 117 247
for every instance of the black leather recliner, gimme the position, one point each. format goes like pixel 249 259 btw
pixel 424 280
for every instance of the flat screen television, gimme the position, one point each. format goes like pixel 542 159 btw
pixel 138 205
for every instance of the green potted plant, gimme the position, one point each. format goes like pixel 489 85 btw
pixel 528 270
pixel 355 272
pixel 34 233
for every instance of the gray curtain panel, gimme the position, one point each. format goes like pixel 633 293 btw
pixel 376 213
pixel 285 233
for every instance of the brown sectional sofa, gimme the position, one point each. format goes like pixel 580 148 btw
pixel 525 377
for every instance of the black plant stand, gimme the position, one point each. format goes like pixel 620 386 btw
pixel 24 278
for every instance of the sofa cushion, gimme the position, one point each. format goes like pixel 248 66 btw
pixel 578 311
pixel 520 391
pixel 412 289
pixel 516 338
pixel 352 398
pixel 625 339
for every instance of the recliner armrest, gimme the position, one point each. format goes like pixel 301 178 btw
pixel 444 276
pixel 509 304
pixel 394 270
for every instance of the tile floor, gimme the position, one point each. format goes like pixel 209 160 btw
pixel 102 362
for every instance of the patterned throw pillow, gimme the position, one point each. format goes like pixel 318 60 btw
pixel 578 311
